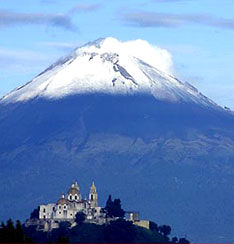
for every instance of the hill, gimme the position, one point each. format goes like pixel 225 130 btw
pixel 118 231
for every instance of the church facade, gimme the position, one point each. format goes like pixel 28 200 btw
pixel 70 204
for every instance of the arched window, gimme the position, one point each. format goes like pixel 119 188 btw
pixel 91 197
pixel 76 197
pixel 70 197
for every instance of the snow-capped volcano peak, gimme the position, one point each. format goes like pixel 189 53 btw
pixel 112 67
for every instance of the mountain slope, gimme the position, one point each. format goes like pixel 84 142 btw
pixel 155 142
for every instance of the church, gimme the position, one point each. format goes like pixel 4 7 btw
pixel 70 204
pixel 51 215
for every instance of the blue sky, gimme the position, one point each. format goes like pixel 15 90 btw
pixel 198 33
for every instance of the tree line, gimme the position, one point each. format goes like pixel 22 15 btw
pixel 13 233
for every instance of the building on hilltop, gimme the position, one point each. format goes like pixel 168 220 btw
pixel 49 216
pixel 70 204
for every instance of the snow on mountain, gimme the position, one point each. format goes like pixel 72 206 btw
pixel 112 67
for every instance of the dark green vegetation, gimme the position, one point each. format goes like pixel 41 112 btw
pixel 10 233
pixel 113 208
pixel 80 218
pixel 118 231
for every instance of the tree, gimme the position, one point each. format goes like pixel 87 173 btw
pixel 153 226
pixel 62 240
pixel 63 228
pixel 10 231
pixel 113 208
pixel 35 213
pixel 19 233
pixel 2 233
pixel 64 225
pixel 109 203
pixel 184 241
pixel 165 230
pixel 118 211
pixel 13 234
pixel 80 218
pixel 119 231
pixel 174 240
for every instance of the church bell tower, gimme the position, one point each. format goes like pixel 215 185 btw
pixel 93 197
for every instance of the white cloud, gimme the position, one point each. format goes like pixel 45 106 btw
pixel 153 55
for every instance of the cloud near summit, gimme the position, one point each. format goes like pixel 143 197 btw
pixel 150 54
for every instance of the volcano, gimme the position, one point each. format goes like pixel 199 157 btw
pixel 112 113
